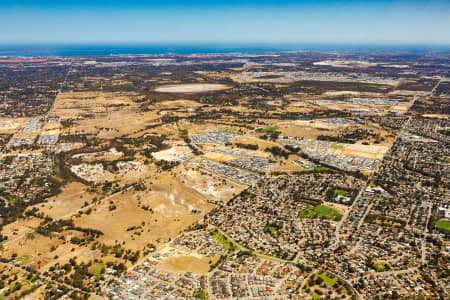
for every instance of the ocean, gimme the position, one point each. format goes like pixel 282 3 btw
pixel 123 49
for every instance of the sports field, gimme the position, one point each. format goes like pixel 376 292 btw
pixel 321 212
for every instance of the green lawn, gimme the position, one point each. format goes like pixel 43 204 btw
pixel 227 130
pixel 270 129
pixel 329 281
pixel 11 199
pixel 248 195
pixel 326 278
pixel 271 229
pixel 201 295
pixel 380 266
pixel 320 168
pixel 24 260
pixel 443 225
pixel 371 184
pixel 226 243
pixel 96 270
pixel 320 211
pixel 337 147
pixel 338 192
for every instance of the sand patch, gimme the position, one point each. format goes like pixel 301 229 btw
pixel 339 207
pixel 178 153
pixel 92 173
pixel 220 156
pixel 369 151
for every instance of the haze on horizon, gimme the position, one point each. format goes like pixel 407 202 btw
pixel 246 21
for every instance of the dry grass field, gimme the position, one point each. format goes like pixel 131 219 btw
pixel 75 104
pixel 177 104
pixel 107 115
pixel 11 125
pixel 20 227
pixel 171 207
pixel 315 128
pixel 187 263
pixel 73 196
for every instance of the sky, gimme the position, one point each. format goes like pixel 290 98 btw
pixel 233 21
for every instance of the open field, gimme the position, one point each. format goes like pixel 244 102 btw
pixel 20 227
pixel 113 124
pixel 325 284
pixel 72 197
pixel 444 225
pixel 43 252
pixel 106 115
pixel 77 104
pixel 321 211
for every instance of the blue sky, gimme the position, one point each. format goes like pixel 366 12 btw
pixel 233 21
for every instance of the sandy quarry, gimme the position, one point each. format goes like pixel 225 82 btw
pixel 192 88
pixel 92 173
pixel 128 171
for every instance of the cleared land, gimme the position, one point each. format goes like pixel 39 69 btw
pixel 187 263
